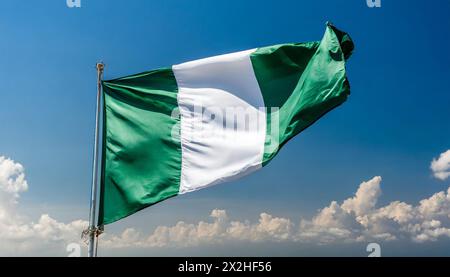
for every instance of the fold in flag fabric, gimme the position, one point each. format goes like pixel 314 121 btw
pixel 180 129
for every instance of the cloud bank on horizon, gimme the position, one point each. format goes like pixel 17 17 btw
pixel 356 219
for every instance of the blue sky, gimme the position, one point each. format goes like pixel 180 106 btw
pixel 393 125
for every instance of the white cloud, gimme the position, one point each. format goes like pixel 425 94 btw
pixel 427 221
pixel 220 230
pixel 18 236
pixel 12 182
pixel 441 166
pixel 365 197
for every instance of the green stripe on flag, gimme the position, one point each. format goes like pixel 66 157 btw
pixel 304 81
pixel 141 158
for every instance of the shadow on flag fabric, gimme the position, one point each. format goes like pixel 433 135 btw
pixel 176 130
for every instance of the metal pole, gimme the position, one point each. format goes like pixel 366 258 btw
pixel 92 251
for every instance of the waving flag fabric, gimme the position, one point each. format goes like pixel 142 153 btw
pixel 176 130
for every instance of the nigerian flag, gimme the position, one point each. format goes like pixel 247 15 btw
pixel 176 130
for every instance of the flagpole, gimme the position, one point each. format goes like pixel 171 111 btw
pixel 93 229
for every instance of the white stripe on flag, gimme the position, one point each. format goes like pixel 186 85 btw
pixel 215 146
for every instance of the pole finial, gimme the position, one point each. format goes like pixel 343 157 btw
pixel 100 66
